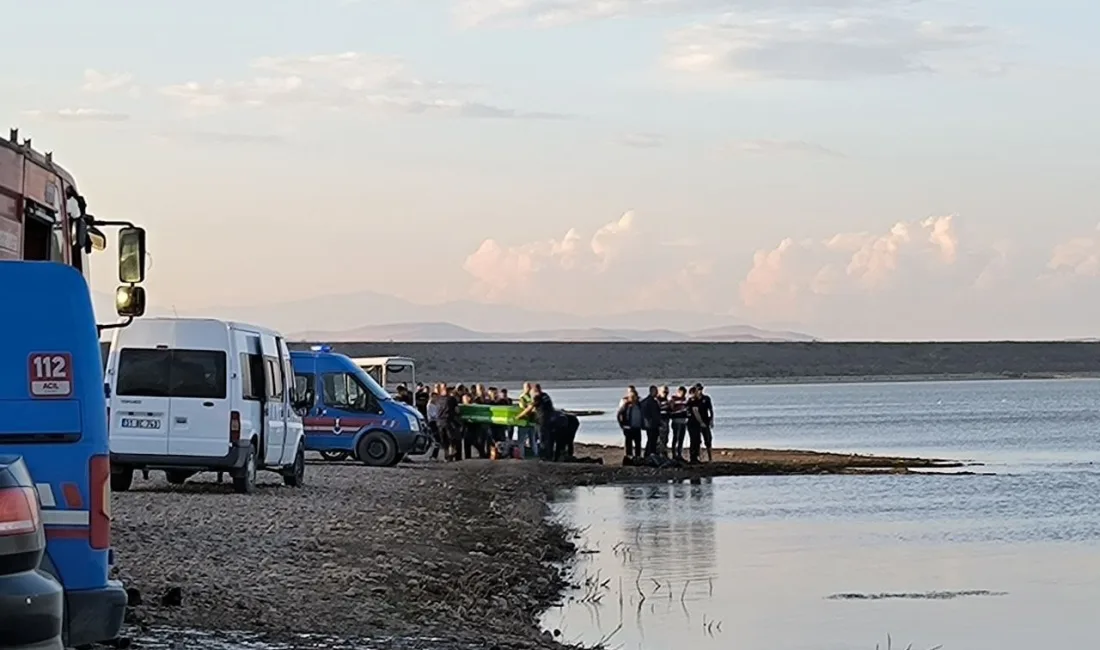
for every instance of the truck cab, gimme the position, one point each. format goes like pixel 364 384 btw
pixel 348 414
pixel 53 414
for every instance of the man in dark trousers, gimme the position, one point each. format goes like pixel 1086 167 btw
pixel 651 416
pixel 707 408
pixel 450 425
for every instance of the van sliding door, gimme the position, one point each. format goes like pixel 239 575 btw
pixel 275 407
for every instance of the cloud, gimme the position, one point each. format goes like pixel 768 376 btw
pixel 346 81
pixel 551 13
pixel 1077 257
pixel 642 140
pixel 77 115
pixel 623 264
pixel 781 147
pixel 96 82
pixel 790 280
pixel 742 49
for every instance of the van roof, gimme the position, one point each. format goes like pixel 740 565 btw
pixel 229 324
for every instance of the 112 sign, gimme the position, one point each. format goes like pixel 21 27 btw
pixel 51 374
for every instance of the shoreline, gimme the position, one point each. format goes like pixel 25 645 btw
pixel 465 554
pixel 821 380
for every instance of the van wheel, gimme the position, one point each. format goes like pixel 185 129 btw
pixel 121 479
pixel 176 476
pixel 295 475
pixel 244 482
pixel 377 449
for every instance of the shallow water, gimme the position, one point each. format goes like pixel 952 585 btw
pixel 1003 562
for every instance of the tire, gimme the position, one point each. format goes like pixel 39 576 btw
pixel 244 482
pixel 295 476
pixel 177 476
pixel 121 479
pixel 334 455
pixel 377 449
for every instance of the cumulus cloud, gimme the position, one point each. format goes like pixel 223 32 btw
pixel 623 264
pixel 550 13
pixel 96 82
pixel 77 115
pixel 1079 256
pixel 743 49
pixel 346 81
pixel 789 280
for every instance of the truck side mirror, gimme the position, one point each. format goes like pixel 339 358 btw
pixel 131 256
pixel 130 301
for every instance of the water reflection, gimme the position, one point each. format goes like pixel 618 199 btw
pixel 709 565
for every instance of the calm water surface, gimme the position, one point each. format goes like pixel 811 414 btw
pixel 751 562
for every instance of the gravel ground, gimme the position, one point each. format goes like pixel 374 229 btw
pixel 450 555
pixel 442 556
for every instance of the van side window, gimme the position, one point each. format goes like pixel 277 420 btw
pixel 275 378
pixel 252 377
pixel 302 383
pixel 341 390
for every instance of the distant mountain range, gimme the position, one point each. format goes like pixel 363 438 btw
pixel 372 316
pixel 433 332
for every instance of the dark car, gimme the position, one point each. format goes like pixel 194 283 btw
pixel 31 601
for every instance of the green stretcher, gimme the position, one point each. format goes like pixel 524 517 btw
pixel 492 414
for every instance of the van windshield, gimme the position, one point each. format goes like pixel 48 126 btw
pixel 171 373
pixel 371 385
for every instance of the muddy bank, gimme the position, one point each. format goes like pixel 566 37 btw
pixel 444 556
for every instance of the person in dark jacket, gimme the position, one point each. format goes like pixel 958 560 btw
pixel 631 422
pixel 651 416
pixel 696 423
pixel 707 408
pixel 678 421
pixel 450 425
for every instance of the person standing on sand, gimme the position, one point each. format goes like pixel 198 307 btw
pixel 651 418
pixel 678 421
pixel 450 425
pixel 695 423
pixel 663 428
pixel 541 410
pixel 526 435
pixel 431 416
pixel 708 420
pixel 631 422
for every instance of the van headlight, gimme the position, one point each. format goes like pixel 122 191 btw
pixel 414 424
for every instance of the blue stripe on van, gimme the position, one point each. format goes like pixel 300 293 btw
pixel 40 417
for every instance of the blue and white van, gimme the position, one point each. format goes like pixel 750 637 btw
pixel 350 415
pixel 53 414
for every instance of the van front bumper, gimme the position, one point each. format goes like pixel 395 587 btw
pixel 235 459
pixel 95 615
pixel 32 610
pixel 413 443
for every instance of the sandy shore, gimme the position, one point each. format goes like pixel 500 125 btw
pixel 441 556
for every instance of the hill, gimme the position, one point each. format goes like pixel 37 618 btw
pixel 688 361
pixel 435 332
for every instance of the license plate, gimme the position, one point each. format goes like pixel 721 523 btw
pixel 140 423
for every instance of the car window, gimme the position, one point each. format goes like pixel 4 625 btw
pixel 171 373
pixel 302 383
pixel 343 391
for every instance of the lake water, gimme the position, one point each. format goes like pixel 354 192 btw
pixel 1003 562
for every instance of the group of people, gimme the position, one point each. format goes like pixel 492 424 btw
pixel 687 413
pixel 549 437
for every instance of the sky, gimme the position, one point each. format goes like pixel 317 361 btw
pixel 883 169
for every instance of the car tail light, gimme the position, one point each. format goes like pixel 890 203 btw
pixel 19 511
pixel 234 426
pixel 99 471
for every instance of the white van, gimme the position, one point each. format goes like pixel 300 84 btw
pixel 189 395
